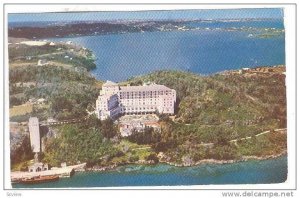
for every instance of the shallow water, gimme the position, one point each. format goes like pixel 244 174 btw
pixel 250 172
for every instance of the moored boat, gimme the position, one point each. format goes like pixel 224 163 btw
pixel 40 179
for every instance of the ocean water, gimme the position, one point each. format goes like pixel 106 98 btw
pixel 121 56
pixel 250 172
pixel 270 23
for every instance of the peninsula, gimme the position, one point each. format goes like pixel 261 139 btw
pixel 221 118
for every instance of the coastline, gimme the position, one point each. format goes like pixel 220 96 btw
pixel 201 162
pixel 262 172
pixel 161 160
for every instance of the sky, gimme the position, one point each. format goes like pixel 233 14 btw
pixel 149 15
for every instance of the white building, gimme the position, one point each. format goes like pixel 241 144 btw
pixel 42 62
pixel 37 167
pixel 115 100
pixel 34 130
pixel 41 101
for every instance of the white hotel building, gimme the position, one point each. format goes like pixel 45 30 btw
pixel 115 100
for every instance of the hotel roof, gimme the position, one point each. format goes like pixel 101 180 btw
pixel 152 87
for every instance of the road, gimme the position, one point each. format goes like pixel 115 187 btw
pixel 257 135
pixel 246 138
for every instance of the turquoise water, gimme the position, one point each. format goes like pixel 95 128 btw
pixel 121 56
pixel 250 172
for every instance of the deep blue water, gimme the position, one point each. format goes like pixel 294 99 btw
pixel 121 56
pixel 251 172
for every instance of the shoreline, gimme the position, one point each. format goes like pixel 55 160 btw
pixel 201 162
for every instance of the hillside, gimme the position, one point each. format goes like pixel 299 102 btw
pixel 230 99
pixel 222 107
pixel 59 89
pixel 213 115
pixel 54 73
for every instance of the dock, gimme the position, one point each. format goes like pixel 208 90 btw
pixel 67 171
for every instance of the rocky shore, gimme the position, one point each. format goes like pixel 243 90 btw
pixel 214 161
pixel 201 162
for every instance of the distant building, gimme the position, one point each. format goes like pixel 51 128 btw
pixel 243 70
pixel 34 130
pixel 63 164
pixel 41 101
pixel 42 62
pixel 50 120
pixel 37 167
pixel 115 100
pixel 32 100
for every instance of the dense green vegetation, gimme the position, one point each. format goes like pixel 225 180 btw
pixel 95 142
pixel 60 53
pixel 20 53
pixel 67 89
pixel 23 152
pixel 269 144
pixel 219 108
pixel 147 136
pixel 243 105
pixel 85 142
pixel 68 93
pixel 210 111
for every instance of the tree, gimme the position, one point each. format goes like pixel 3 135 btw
pixel 164 146
pixel 78 143
pixel 22 152
pixel 92 121
pixel 222 138
pixel 14 101
pixel 147 136
pixel 107 129
pixel 58 103
pixel 152 157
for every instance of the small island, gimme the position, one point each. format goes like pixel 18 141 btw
pixel 222 118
